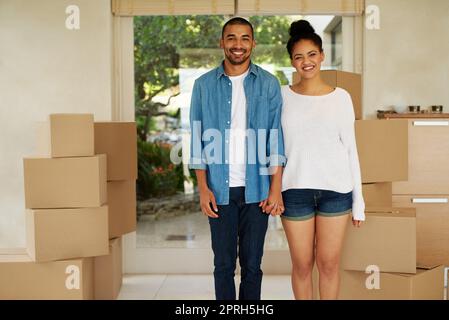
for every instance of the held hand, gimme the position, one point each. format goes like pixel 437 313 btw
pixel 273 205
pixel 356 223
pixel 263 204
pixel 206 199
pixel 278 208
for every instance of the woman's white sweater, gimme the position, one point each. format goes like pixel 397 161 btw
pixel 320 145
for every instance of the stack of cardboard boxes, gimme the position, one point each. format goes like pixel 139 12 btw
pixel 71 253
pixel 118 140
pixel 427 187
pixel 381 260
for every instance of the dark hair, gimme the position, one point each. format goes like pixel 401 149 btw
pixel 302 30
pixel 237 20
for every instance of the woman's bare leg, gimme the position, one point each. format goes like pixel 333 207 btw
pixel 300 237
pixel 330 232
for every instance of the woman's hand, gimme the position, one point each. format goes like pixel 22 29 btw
pixel 356 223
pixel 274 205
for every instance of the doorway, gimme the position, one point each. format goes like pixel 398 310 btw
pixel 163 241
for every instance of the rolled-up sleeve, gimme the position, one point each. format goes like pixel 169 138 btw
pixel 275 147
pixel 196 160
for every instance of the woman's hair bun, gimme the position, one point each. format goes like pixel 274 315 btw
pixel 302 30
pixel 300 27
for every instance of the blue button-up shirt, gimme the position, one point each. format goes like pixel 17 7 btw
pixel 210 123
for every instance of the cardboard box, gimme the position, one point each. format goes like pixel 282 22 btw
pixel 66 135
pixel 20 278
pixel 57 234
pixel 432 227
pixel 315 283
pixel 387 239
pixel 351 82
pixel 122 207
pixel 425 284
pixel 377 194
pixel 119 141
pixel 65 182
pixel 108 272
pixel 383 150
pixel 428 154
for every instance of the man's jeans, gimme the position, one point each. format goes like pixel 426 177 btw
pixel 245 226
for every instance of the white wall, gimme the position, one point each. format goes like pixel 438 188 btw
pixel 45 68
pixel 407 60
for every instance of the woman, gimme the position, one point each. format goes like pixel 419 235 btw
pixel 321 182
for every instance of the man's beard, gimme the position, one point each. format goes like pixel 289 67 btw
pixel 236 63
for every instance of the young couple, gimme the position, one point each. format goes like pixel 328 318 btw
pixel 309 172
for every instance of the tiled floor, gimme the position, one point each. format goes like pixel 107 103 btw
pixel 194 287
pixel 153 233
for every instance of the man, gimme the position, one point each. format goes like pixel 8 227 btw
pixel 236 146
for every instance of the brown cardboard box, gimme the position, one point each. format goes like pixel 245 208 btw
pixel 66 135
pixel 351 82
pixel 432 226
pixel 315 283
pixel 383 150
pixel 20 278
pixel 119 141
pixel 108 272
pixel 65 182
pixel 428 155
pixel 57 234
pixel 386 239
pixel 426 284
pixel 122 207
pixel 377 194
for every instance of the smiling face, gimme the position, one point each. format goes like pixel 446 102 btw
pixel 237 43
pixel 307 58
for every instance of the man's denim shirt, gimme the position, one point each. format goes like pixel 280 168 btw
pixel 210 122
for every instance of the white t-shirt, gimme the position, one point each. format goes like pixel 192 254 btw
pixel 320 145
pixel 237 149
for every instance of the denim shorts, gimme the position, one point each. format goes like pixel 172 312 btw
pixel 303 204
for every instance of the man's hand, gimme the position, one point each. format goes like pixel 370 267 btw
pixel 274 205
pixel 206 195
pixel 206 199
